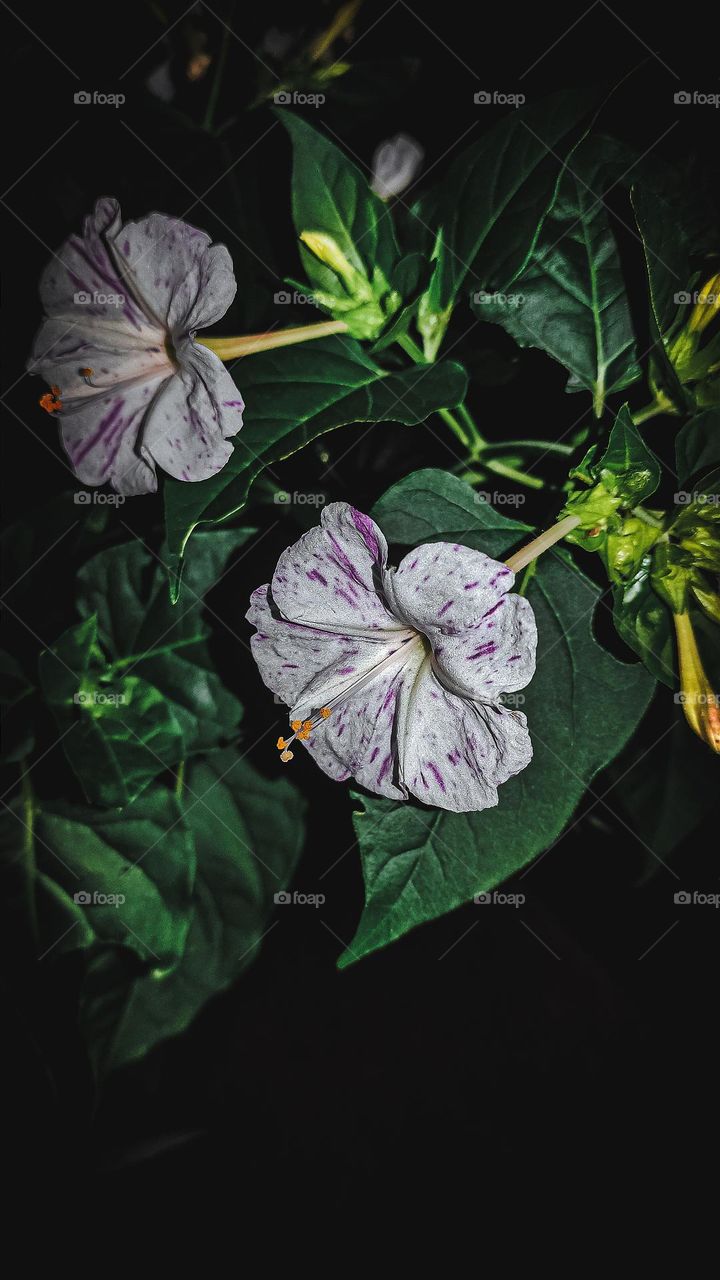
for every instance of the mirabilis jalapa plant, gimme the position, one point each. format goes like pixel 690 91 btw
pixel 464 687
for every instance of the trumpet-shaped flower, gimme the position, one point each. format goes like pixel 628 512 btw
pixel 132 388
pixel 394 676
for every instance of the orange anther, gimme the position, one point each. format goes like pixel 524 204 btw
pixel 51 401
pixel 324 712
pixel 295 725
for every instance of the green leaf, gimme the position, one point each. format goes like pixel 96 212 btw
pixel 628 469
pixel 126 588
pixel 130 874
pixel 248 834
pixel 118 731
pixel 293 396
pixel 668 791
pixel 667 255
pixel 495 196
pixel 582 706
pixel 645 623
pixel 330 194
pixel 697 446
pixel 570 300
pixel 18 729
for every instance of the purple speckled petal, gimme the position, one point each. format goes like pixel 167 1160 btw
pixel 441 588
pixel 454 754
pixel 189 426
pixel 308 667
pixel 331 578
pixel 185 281
pixel 115 351
pixel 496 656
pixel 100 435
pixel 82 280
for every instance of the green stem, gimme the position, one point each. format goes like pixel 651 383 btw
pixel 528 575
pixel 217 78
pixel 28 803
pixel 154 653
pixel 470 439
pixel 512 473
pixel 456 428
pixel 180 779
pixel 547 446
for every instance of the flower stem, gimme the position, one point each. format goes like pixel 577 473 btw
pixel 546 446
pixel 469 436
pixel 217 78
pixel 542 543
pixel 28 803
pixel 155 653
pixel 512 473
pixel 248 344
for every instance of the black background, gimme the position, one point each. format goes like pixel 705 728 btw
pixel 480 1041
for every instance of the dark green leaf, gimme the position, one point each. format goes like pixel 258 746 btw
pixel 496 194
pixel 126 587
pixel 330 194
pixel 118 731
pixel 570 300
pixel 697 446
pixel 293 396
pixel 581 706
pixel 18 730
pixel 248 834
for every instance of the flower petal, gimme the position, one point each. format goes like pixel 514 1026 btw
pixel 83 280
pixel 185 281
pixel 189 425
pixel 496 656
pixel 331 578
pixel 442 588
pixel 101 433
pixel 114 351
pixel 453 753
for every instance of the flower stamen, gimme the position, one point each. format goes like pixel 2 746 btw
pixel 51 401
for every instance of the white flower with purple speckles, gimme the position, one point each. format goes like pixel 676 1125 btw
pixel 394 676
pixel 133 388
